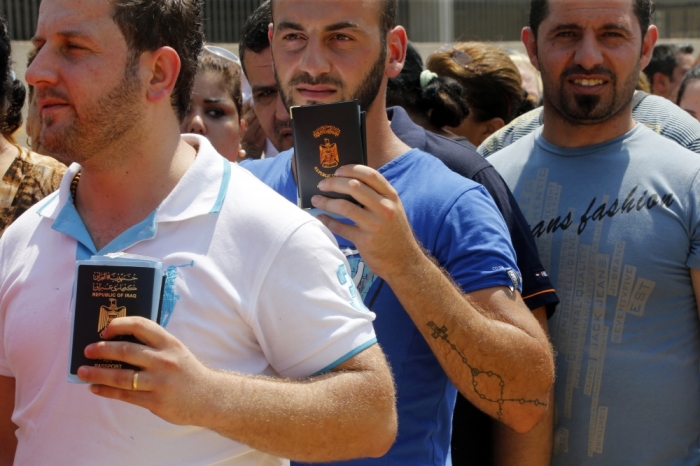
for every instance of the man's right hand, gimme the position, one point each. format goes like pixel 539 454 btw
pixel 253 137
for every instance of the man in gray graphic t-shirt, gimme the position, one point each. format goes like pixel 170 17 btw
pixel 615 210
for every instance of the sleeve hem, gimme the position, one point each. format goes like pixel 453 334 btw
pixel 344 358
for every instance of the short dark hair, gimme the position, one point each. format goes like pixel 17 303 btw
pixel 388 19
pixel 254 35
pixel 148 25
pixel 643 9
pixel 664 59
pixel 690 76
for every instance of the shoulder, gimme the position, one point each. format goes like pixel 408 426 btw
pixel 513 131
pixel 457 157
pixel 266 168
pixel 516 153
pixel 254 207
pixel 667 119
pixel 418 172
pixel 42 172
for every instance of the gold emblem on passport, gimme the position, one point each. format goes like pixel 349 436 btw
pixel 109 313
pixel 328 151
pixel 329 154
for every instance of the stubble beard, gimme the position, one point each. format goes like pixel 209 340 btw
pixel 109 125
pixel 585 109
pixel 366 92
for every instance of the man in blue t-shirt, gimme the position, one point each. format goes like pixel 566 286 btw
pixel 614 209
pixel 424 238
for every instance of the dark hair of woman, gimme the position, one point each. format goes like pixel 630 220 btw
pixel 12 91
pixel 429 99
pixel 491 80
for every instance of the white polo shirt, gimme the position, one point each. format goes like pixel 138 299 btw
pixel 253 285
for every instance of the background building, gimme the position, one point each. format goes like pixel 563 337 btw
pixel 426 20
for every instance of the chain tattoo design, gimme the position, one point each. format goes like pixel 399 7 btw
pixel 440 333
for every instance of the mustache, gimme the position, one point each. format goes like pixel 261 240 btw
pixel 281 125
pixel 324 79
pixel 48 92
pixel 580 70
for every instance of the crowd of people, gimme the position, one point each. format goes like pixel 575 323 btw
pixel 517 284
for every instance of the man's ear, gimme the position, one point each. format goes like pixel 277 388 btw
pixel 397 42
pixel 163 67
pixel 648 44
pixel 530 42
pixel 270 32
pixel 660 84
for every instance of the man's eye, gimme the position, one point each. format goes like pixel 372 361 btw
pixel 292 36
pixel 215 113
pixel 342 37
pixel 264 95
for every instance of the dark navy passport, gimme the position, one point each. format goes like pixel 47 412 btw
pixel 107 288
pixel 326 136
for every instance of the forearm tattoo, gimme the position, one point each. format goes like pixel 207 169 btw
pixel 440 333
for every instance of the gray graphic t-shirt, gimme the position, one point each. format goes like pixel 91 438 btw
pixel 618 227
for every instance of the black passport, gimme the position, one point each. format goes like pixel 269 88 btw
pixel 326 136
pixel 106 288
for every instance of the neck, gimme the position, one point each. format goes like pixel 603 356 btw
pixel 112 197
pixel 383 145
pixel 424 122
pixel 564 133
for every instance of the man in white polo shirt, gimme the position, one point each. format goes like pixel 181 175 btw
pixel 256 297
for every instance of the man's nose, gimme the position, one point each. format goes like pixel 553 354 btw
pixel 43 70
pixel 588 53
pixel 314 60
pixel 281 113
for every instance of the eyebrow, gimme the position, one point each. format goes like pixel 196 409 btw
pixel 214 101
pixel 605 27
pixel 264 88
pixel 285 25
pixel 342 25
pixel 70 34
pixel 288 25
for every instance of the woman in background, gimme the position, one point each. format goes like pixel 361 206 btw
pixel 27 177
pixel 431 101
pixel 216 102
pixel 492 84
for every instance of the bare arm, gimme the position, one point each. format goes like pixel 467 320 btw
pixel 347 413
pixel 533 448
pixel 8 440
pixel 487 341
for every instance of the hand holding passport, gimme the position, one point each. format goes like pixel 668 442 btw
pixel 326 137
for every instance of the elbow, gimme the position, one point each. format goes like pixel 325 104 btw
pixel 527 413
pixel 384 436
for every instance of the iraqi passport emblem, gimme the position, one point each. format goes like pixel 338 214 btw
pixel 105 288
pixel 329 154
pixel 109 313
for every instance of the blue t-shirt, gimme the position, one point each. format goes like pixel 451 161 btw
pixel 456 220
pixel 617 225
